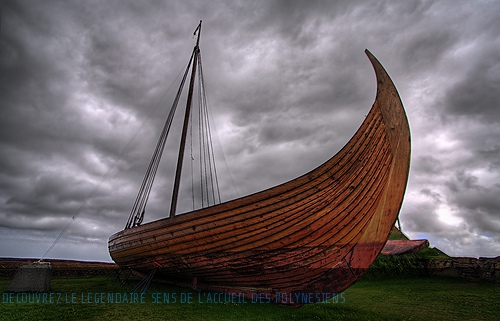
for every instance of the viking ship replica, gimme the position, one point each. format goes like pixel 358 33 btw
pixel 317 233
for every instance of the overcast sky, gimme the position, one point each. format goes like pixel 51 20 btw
pixel 288 84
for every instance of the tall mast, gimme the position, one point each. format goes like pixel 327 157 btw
pixel 180 159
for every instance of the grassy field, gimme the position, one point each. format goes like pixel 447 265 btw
pixel 393 299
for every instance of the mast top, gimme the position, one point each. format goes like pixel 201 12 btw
pixel 198 29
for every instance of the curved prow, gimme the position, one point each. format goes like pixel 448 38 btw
pixel 396 124
pixel 388 104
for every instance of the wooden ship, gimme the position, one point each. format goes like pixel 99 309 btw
pixel 317 233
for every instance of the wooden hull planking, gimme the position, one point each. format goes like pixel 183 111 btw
pixel 317 233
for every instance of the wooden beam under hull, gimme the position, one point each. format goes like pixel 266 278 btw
pixel 316 233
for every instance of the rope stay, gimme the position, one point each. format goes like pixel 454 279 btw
pixel 192 159
pixel 138 210
pixel 210 191
pixel 143 285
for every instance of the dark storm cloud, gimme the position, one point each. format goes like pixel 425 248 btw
pixel 468 194
pixel 428 164
pixel 57 138
pixel 492 156
pixel 477 95
pixel 423 219
pixel 288 84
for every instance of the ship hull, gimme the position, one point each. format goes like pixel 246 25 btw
pixel 315 234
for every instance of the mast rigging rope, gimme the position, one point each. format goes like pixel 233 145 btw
pixel 139 207
pixel 209 185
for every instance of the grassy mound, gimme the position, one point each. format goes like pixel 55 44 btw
pixel 402 266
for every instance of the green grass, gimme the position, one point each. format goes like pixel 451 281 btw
pixel 402 266
pixel 391 299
